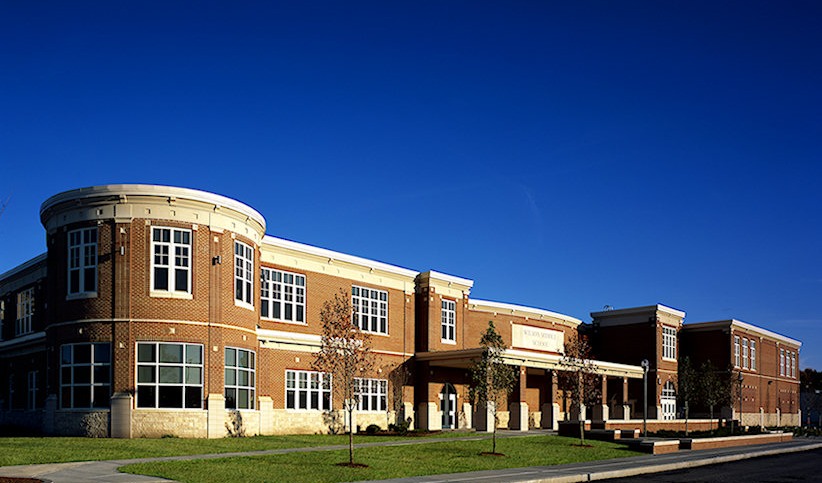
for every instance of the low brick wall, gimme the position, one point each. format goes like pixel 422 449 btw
pixel 671 425
pixel 731 441
pixel 659 447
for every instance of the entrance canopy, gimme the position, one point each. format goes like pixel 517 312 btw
pixel 464 359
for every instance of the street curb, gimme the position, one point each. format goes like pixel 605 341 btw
pixel 660 468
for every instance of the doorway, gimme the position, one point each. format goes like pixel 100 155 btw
pixel 448 405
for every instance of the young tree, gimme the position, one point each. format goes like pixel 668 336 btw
pixel 579 379
pixel 687 386
pixel 345 355
pixel 398 377
pixel 491 378
pixel 711 388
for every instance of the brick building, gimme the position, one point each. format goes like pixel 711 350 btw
pixel 160 310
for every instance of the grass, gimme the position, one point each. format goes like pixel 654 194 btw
pixel 27 451
pixel 384 462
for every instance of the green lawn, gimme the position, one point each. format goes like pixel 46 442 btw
pixel 385 462
pixel 26 451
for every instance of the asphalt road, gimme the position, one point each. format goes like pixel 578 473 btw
pixel 791 467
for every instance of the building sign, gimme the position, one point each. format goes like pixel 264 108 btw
pixel 535 338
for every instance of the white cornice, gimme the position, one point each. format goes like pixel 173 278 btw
pixel 497 306
pixel 23 266
pixel 742 325
pixel 448 278
pixel 337 256
pixel 638 310
pixel 22 340
pixel 126 190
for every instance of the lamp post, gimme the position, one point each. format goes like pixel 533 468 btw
pixel 645 364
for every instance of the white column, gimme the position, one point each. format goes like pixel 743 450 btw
pixel 216 416
pixel 121 415
pixel 467 412
pixel 519 416
pixel 266 415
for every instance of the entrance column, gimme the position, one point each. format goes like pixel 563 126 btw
pixel 519 409
pixel 550 410
pixel 602 412
pixel 626 408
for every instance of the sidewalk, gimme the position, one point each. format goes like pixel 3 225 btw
pixel 106 471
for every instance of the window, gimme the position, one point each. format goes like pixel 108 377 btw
pixel 370 309
pixel 171 260
pixel 32 391
pixel 85 375
pixel 793 364
pixel 736 351
pixel 745 353
pixel 82 261
pixel 243 273
pixel 169 375
pixel 781 362
pixel 282 296
pixel 753 355
pixel 449 311
pixel 239 378
pixel 25 312
pixel 307 390
pixel 668 342
pixel 372 394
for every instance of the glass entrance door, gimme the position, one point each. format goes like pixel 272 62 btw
pixel 448 405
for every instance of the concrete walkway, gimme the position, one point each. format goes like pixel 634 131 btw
pixel 106 471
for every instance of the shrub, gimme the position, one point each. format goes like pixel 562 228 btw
pixel 372 429
pixel 399 428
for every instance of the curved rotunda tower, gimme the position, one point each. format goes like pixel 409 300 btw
pixel 149 289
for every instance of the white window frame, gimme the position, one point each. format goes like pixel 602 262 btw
pixel 372 394
pixel 448 322
pixel 243 275
pixel 745 353
pixel 99 375
pixel 31 403
pixel 25 312
pixel 82 260
pixel 736 351
pixel 311 387
pixel 781 362
pixel 282 292
pixel 370 309
pixel 668 343
pixel 239 373
pixel 188 370
pixel 177 256
pixel 793 365
pixel 753 355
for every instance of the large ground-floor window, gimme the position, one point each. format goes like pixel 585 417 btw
pixel 307 390
pixel 372 394
pixel 169 375
pixel 85 375
pixel 239 378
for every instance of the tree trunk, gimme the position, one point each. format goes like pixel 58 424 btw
pixel 494 432
pixel 581 432
pixel 686 418
pixel 350 434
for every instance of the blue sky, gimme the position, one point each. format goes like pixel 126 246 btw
pixel 564 155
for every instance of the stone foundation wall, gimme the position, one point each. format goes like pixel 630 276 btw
pixel 30 420
pixel 307 422
pixel 70 423
pixel 157 423
pixel 363 419
pixel 248 420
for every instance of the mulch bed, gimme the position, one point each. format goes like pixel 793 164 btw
pixel 488 453
pixel 9 479
pixel 347 465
